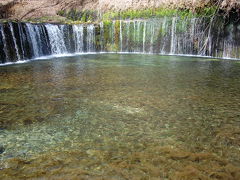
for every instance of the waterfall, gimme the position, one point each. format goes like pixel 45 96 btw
pixel 128 33
pixel 134 33
pixel 167 35
pixel 144 36
pixel 173 39
pixel 56 38
pixel 5 49
pixel 78 37
pixel 33 39
pixel 152 37
pixel 229 51
pixel 15 41
pixel 192 33
pixel 20 29
pixel 164 40
pixel 138 35
pixel 102 40
pixel 91 38
pixel 121 37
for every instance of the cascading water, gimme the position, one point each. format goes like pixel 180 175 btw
pixel 15 41
pixel 78 37
pixel 127 34
pixel 152 37
pixel 139 35
pixel 33 38
pixel 144 36
pixel 56 38
pixel 102 36
pixel 4 45
pixel 121 37
pixel 191 36
pixel 173 39
pixel 91 38
pixel 22 39
pixel 168 35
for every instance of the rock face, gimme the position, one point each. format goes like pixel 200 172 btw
pixel 4 7
pixel 227 5
pixel 25 9
pixel 141 4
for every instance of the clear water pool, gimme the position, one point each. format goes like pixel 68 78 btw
pixel 120 116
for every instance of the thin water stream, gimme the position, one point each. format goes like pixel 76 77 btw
pixel 167 35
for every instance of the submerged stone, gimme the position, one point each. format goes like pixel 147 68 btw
pixel 2 149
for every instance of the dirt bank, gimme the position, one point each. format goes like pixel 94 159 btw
pixel 25 9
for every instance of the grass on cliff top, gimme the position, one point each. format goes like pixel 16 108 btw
pixel 56 19
pixel 159 13
pixel 81 17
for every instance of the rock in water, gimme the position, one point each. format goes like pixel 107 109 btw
pixel 2 149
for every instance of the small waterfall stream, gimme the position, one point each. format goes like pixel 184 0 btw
pixel 144 35
pixel 5 49
pixel 173 37
pixel 20 29
pixel 101 35
pixel 33 39
pixel 15 41
pixel 91 38
pixel 167 35
pixel 56 37
pixel 121 36
pixel 78 37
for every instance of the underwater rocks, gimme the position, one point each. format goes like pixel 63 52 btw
pixel 2 149
pixel 155 162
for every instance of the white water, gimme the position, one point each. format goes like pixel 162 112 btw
pixel 138 36
pixel 21 40
pixel 78 37
pixel 128 33
pixel 91 38
pixel 152 37
pixel 15 41
pixel 4 44
pixel 102 35
pixel 56 38
pixel 33 39
pixel 121 37
pixel 173 39
pixel 39 39
pixel 168 36
pixel 163 27
pixel 144 35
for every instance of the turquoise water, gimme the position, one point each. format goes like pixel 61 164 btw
pixel 120 103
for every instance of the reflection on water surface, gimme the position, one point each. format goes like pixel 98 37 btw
pixel 120 117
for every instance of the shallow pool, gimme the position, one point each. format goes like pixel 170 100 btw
pixel 120 116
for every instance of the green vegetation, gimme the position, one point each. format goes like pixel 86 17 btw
pixel 209 11
pixel 91 16
pixel 137 14
pixel 159 13
pixel 52 19
pixel 83 16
